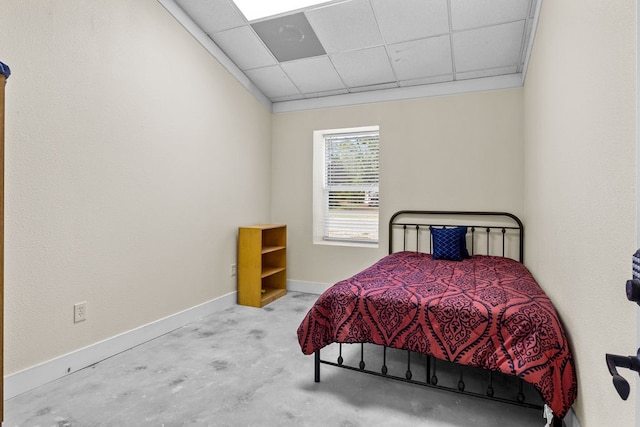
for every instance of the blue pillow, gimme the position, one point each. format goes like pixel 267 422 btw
pixel 450 243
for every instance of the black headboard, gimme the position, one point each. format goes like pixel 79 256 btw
pixel 488 233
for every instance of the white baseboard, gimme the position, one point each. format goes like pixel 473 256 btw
pixel 308 287
pixel 30 378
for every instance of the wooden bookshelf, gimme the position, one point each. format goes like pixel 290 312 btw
pixel 262 264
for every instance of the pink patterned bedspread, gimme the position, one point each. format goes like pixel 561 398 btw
pixel 485 311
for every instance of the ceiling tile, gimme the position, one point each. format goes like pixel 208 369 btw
pixel 273 82
pixel 345 26
pixel 415 19
pixel 491 47
pixel 480 13
pixel 212 15
pixel 313 74
pixel 368 45
pixel 289 37
pixel 364 67
pixel 421 58
pixel 244 48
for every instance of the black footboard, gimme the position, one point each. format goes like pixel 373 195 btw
pixel 430 372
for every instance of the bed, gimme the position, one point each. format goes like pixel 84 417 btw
pixel 453 289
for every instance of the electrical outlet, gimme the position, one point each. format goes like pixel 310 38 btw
pixel 80 312
pixel 234 270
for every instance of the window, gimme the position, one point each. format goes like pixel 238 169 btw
pixel 346 176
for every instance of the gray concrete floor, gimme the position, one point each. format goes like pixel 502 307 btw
pixel 243 367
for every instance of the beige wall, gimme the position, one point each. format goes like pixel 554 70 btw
pixel 462 152
pixel 580 192
pixel 132 156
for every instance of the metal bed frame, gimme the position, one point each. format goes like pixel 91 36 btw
pixel 413 224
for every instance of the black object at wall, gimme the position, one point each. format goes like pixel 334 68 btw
pixel 615 361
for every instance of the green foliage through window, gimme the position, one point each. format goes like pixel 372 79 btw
pixel 351 186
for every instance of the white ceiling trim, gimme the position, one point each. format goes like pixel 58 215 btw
pixel 206 42
pixel 402 93
pixel 534 30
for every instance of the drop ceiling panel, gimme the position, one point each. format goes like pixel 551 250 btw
pixel 479 13
pixel 289 37
pixel 415 19
pixel 212 15
pixel 273 82
pixel 364 67
pixel 422 58
pixel 382 46
pixel 244 48
pixel 313 74
pixel 490 47
pixel 345 26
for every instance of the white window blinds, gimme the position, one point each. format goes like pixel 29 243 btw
pixel 351 187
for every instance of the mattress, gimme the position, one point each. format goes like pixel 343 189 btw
pixel 485 311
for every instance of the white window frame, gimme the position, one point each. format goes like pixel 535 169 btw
pixel 320 199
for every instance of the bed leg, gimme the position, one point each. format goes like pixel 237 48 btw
pixel 316 360
pixel 384 360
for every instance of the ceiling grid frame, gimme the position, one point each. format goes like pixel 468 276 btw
pixel 385 44
pixel 374 85
pixel 452 47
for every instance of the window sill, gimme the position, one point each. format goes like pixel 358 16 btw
pixel 372 245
